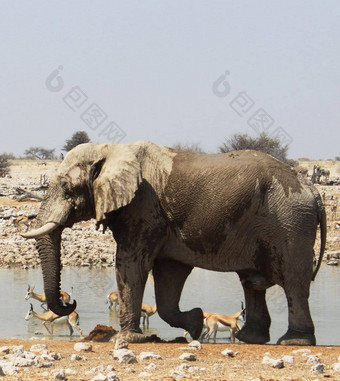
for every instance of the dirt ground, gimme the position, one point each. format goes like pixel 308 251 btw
pixel 211 364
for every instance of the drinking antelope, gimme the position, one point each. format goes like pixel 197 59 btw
pixel 112 299
pixel 146 312
pixel 42 297
pixel 72 320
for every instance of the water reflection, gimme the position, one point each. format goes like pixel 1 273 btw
pixel 212 291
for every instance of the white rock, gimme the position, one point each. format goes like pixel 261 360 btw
pixel 45 364
pixel 151 366
pixel 112 377
pixel 110 368
pixel 76 357
pixel 278 364
pixel 100 368
pixel 336 366
pixel 86 347
pixel 256 379
pixel 70 371
pixel 121 344
pixel 187 356
pixel 22 362
pixel 99 377
pixel 302 350
pixel 59 375
pixel 38 348
pixel 177 374
pixel 183 366
pixel 266 360
pixel 8 367
pixel 144 375
pixel 272 362
pixel 317 369
pixel 195 344
pixel 56 356
pixel 4 350
pixel 227 353
pixel 125 356
pixel 289 359
pixel 193 369
pixel 313 359
pixel 46 357
pixel 149 356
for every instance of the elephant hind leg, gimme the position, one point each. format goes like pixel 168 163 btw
pixel 256 327
pixel 169 277
pixel 301 327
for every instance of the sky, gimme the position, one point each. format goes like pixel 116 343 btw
pixel 170 72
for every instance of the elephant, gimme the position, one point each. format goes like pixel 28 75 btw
pixel 170 211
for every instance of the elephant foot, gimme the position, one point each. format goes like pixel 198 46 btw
pixel 129 336
pixel 193 321
pixel 297 338
pixel 252 333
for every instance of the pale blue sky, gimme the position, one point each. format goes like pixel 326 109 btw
pixel 151 66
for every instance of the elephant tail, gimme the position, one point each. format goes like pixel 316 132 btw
pixel 323 233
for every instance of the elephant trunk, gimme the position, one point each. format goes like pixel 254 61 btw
pixel 49 251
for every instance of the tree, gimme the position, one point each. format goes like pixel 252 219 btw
pixel 263 143
pixel 40 153
pixel 4 165
pixel 193 147
pixel 77 138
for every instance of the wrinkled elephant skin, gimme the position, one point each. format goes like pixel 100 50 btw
pixel 171 211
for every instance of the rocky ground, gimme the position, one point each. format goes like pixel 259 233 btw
pixel 61 360
pixel 84 246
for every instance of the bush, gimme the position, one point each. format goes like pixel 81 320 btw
pixel 77 138
pixel 40 153
pixel 263 143
pixel 4 165
pixel 193 147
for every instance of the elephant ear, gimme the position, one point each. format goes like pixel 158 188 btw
pixel 116 178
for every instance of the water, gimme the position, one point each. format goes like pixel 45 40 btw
pixel 212 291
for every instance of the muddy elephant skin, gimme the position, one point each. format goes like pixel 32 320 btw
pixel 170 211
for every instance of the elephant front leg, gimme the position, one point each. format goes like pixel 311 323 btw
pixel 169 277
pixel 256 328
pixel 131 279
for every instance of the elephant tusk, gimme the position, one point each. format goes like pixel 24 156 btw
pixel 37 233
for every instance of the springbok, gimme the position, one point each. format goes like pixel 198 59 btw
pixel 146 312
pixel 214 322
pixel 72 320
pixel 112 299
pixel 218 322
pixel 42 297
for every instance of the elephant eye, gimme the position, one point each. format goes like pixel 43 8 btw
pixel 66 186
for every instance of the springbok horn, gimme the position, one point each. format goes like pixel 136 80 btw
pixel 37 233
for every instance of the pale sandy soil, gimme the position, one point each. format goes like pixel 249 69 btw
pixel 245 365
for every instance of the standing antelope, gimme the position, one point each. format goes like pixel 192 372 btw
pixel 42 297
pixel 146 312
pixel 112 299
pixel 214 322
pixel 218 322
pixel 72 320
